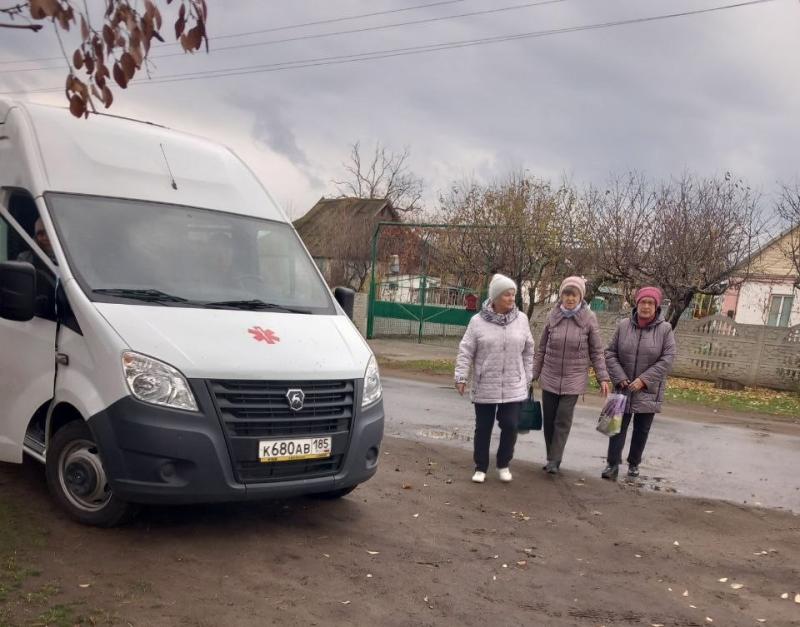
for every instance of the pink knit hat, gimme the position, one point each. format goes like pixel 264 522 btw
pixel 650 292
pixel 576 283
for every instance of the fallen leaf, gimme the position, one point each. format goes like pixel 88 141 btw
pixel 785 595
pixel 709 620
pixel 325 555
pixel 494 577
pixel 797 598
pixel 737 586
pixel 694 607
pixel 676 543
pixel 369 576
pixel 406 486
pixel 637 555
pixel 656 625
pixel 505 565
pixel 416 515
pixel 723 580
pixel 374 552
pixel 709 511
pixel 84 585
pixel 686 593
pixel 345 602
pixel 425 599
pixel 522 563
pixel 670 589
pixel 596 513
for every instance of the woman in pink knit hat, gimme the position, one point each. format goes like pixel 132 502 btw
pixel 570 342
pixel 639 359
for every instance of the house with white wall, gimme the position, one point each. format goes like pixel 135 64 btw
pixel 768 294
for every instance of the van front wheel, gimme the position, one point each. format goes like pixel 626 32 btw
pixel 78 481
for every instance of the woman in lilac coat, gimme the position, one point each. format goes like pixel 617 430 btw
pixel 570 341
pixel 497 349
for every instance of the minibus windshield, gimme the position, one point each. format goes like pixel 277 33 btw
pixel 175 256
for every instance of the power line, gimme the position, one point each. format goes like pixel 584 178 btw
pixel 364 29
pixel 400 52
pixel 262 31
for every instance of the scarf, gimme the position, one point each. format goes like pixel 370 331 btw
pixel 490 315
pixel 570 313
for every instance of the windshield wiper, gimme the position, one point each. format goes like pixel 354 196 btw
pixel 253 305
pixel 149 295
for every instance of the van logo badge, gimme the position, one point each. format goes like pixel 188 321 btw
pixel 296 399
pixel 264 335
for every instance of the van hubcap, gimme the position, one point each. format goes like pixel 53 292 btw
pixel 82 477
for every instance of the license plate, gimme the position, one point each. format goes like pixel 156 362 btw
pixel 291 450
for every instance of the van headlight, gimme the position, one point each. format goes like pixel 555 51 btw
pixel 372 384
pixel 155 382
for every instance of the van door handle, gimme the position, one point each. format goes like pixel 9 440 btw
pixel 62 359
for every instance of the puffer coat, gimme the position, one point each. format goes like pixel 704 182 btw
pixel 646 354
pixel 567 346
pixel 498 350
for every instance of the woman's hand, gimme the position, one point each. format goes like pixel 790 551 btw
pixel 461 387
pixel 637 385
pixel 604 388
pixel 623 385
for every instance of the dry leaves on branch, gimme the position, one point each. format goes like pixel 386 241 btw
pixel 119 48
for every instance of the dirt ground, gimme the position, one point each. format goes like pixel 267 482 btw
pixel 418 545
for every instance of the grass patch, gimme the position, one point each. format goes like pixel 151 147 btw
pixel 752 400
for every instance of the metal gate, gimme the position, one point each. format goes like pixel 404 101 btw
pixel 413 295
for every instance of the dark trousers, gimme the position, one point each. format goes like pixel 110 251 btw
pixel 507 416
pixel 641 429
pixel 557 412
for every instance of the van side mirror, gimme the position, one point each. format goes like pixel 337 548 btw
pixel 346 299
pixel 17 291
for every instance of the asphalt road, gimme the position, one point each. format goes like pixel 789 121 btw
pixel 690 458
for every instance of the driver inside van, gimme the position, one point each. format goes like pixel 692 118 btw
pixel 42 239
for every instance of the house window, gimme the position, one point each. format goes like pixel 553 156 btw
pixel 780 308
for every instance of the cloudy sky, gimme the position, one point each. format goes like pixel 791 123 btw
pixel 711 92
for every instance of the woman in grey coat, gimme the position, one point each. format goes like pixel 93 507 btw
pixel 498 349
pixel 570 340
pixel 639 359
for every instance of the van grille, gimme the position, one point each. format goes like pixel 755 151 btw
pixel 256 410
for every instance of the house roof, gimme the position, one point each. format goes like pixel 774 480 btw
pixel 770 261
pixel 332 215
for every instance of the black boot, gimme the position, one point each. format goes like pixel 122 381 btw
pixel 611 472
pixel 633 470
pixel 552 467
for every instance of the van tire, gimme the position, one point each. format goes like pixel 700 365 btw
pixel 334 494
pixel 73 469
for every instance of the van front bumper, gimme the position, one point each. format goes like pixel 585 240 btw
pixel 155 454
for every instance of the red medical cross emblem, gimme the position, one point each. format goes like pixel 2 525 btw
pixel 264 335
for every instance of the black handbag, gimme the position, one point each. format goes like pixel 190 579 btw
pixel 530 416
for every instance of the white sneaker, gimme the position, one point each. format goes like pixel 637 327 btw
pixel 479 477
pixel 505 474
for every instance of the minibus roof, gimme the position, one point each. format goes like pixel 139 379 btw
pixel 108 155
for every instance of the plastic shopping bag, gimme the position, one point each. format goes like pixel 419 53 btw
pixel 610 421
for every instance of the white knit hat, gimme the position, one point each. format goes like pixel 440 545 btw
pixel 499 285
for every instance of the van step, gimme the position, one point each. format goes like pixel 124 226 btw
pixel 34 444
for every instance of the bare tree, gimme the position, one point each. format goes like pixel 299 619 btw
pixel 788 210
pixel 516 229
pixel 384 174
pixel 112 45
pixel 688 236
